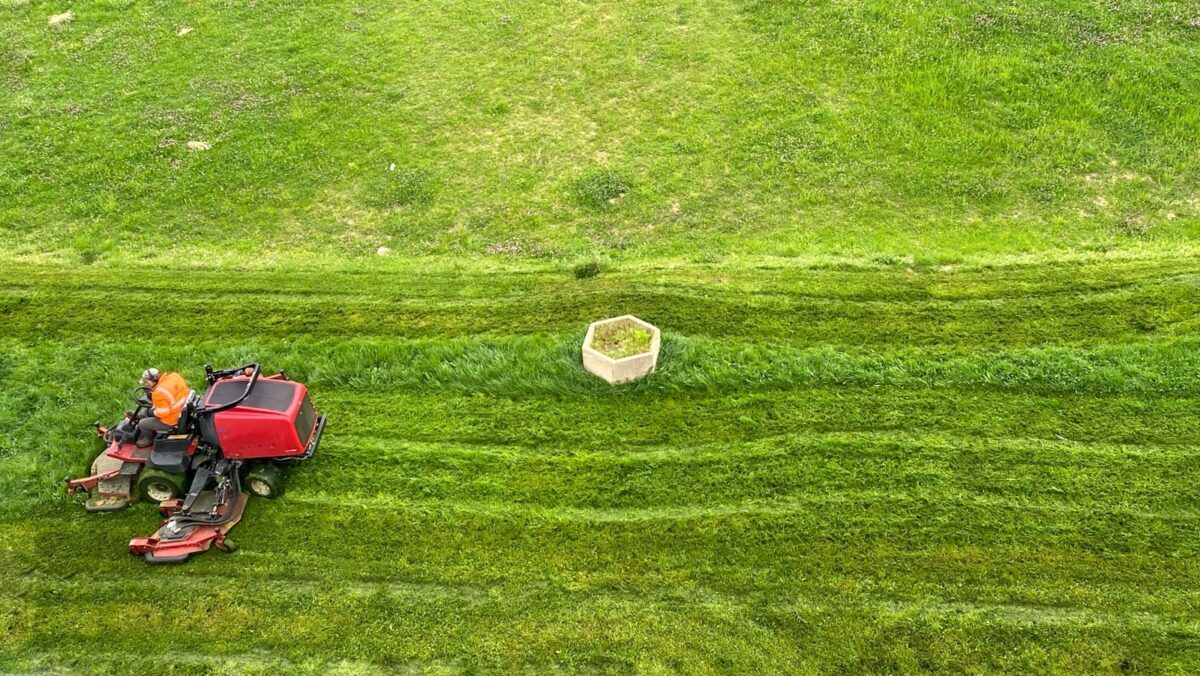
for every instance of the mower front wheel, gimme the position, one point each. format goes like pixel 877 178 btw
pixel 155 485
pixel 265 481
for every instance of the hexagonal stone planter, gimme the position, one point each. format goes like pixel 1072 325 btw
pixel 623 369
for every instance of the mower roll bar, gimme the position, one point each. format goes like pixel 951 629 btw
pixel 213 376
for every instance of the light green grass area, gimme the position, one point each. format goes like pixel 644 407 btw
pixel 939 129
pixel 928 282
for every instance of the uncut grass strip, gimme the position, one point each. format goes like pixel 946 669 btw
pixel 83 373
pixel 598 424
pixel 384 445
pixel 528 365
pixel 523 366
pixel 1117 479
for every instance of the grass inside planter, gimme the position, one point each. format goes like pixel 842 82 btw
pixel 621 339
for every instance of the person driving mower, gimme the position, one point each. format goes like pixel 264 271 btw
pixel 168 394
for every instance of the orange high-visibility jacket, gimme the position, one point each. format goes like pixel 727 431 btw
pixel 169 396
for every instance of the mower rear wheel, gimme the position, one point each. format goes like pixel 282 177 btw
pixel 155 485
pixel 265 481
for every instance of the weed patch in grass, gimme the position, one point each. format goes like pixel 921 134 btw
pixel 621 339
pixel 402 187
pixel 586 270
pixel 601 190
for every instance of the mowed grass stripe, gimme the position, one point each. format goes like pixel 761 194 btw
pixel 599 424
pixel 1059 582
pixel 585 633
pixel 467 279
pixel 956 552
pixel 384 445
pixel 747 309
pixel 425 547
pixel 308 584
pixel 830 498
pixel 468 595
pixel 1070 320
pixel 397 630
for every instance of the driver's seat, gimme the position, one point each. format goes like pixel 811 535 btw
pixel 185 416
pixel 170 447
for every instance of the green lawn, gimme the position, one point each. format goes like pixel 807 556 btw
pixel 928 278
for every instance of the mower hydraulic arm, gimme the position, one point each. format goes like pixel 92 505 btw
pixel 87 483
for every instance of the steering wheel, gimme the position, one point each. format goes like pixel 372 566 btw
pixel 141 397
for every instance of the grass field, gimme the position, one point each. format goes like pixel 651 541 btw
pixel 927 277
pixel 939 128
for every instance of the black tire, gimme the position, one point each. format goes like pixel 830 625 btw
pixel 155 485
pixel 265 481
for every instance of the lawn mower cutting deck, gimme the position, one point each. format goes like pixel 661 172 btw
pixel 241 433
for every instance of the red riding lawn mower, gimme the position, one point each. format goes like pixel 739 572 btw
pixel 234 440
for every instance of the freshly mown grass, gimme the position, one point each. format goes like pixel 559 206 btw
pixel 967 469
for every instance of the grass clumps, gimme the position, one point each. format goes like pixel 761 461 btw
pixel 601 190
pixel 621 339
pixel 402 188
pixel 586 270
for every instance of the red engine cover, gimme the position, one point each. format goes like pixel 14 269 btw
pixel 275 421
